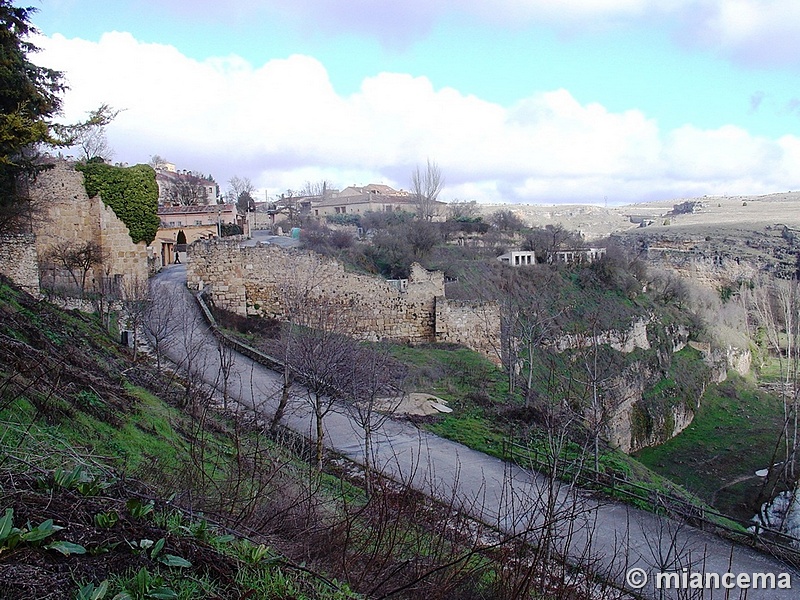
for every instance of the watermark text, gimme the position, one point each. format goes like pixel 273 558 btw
pixel 686 579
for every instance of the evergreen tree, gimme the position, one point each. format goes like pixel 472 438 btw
pixel 29 98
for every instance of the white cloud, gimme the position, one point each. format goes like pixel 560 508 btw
pixel 283 124
pixel 755 32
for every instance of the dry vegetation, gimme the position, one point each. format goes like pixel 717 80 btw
pixel 118 478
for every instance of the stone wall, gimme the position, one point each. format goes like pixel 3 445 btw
pixel 276 282
pixel 18 261
pixel 475 325
pixel 74 218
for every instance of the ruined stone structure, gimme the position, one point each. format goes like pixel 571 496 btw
pixel 273 282
pixel 475 325
pixel 18 261
pixel 74 218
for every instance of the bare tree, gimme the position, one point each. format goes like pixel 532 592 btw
pixel 321 188
pixel 425 187
pixel 227 360
pixel 600 368
pixel 546 241
pixel 90 136
pixel 240 191
pixel 188 189
pixel 317 347
pixel 321 352
pixel 135 301
pixel 238 185
pixel 287 378
pixel 372 392
pixel 157 162
pixel 77 258
pixel 506 220
pixel 161 320
pixel 462 210
pixel 776 306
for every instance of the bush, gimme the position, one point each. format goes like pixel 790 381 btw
pixel 131 192
pixel 345 219
pixel 230 229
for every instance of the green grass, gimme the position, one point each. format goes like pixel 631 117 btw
pixel 472 430
pixel 734 433
pixel 772 370
pixel 484 420
pixel 485 416
pixel 452 370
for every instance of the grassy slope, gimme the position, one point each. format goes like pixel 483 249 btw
pixel 731 437
pixel 68 407
pixel 485 417
pixel 734 433
pixel 70 398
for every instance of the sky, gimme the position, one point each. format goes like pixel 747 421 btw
pixel 519 101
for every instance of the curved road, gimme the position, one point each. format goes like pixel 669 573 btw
pixel 611 536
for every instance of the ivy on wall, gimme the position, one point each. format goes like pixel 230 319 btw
pixel 131 192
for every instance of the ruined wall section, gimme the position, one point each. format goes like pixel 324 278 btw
pixel 122 255
pixel 18 261
pixel 72 217
pixel 219 269
pixel 475 325
pixel 275 282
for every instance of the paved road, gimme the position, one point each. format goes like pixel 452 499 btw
pixel 611 535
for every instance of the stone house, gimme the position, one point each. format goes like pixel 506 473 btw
pixel 174 184
pixel 360 200
pixel 578 255
pixel 201 222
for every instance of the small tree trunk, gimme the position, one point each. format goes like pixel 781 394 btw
pixel 368 459
pixel 320 432
pixel 283 402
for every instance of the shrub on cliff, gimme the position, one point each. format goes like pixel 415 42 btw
pixel 131 192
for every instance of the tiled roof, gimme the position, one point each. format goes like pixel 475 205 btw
pixel 364 199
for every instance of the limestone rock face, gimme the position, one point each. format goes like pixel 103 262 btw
pixel 624 431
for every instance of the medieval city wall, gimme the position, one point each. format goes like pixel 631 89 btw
pixel 475 325
pixel 18 261
pixel 72 217
pixel 276 282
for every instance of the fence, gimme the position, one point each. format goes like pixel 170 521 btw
pixel 706 518
pixel 766 539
